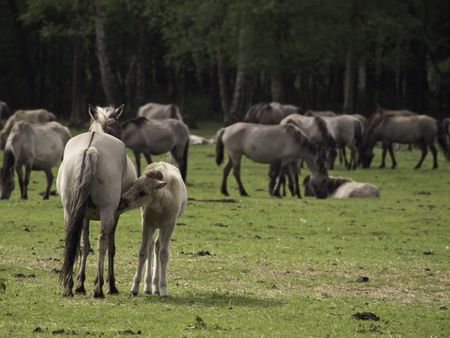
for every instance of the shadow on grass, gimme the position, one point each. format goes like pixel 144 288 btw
pixel 219 299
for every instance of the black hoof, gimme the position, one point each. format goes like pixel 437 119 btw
pixel 67 293
pixel 98 294
pixel 80 290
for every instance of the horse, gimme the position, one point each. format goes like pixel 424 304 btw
pixel 347 131
pixel 268 144
pixel 160 111
pixel 420 129
pixel 339 187
pixel 93 175
pixel 320 113
pixel 32 116
pixel 35 147
pixel 269 113
pixel 155 137
pixel 162 196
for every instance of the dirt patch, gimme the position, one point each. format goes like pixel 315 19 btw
pixel 366 316
pixel 21 275
pixel 362 279
pixel 221 225
pixel 129 332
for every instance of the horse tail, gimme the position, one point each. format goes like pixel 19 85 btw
pixel 442 130
pixel 358 132
pixel 76 211
pixel 322 125
pixel 219 146
pixel 183 167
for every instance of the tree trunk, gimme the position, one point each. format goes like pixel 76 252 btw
pixel 378 55
pixel 349 76
pixel 223 86
pixel 361 107
pixel 276 86
pixel 107 77
pixel 78 112
pixel 24 57
pixel 141 67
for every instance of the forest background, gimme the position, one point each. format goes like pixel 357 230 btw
pixel 214 58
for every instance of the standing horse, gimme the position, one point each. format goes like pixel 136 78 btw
pixel 35 147
pixel 32 116
pixel 160 210
pixel 155 137
pixel 268 144
pixel 420 129
pixel 92 177
pixel 160 111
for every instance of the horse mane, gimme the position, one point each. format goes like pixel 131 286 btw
pixel 376 120
pixel 103 122
pixel 299 135
pixel 335 182
pixel 322 125
pixel 137 121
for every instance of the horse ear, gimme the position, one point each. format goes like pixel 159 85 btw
pixel 119 111
pixel 93 112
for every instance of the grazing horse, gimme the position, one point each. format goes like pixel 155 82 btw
pixel 268 144
pixel 92 177
pixel 347 131
pixel 339 187
pixel 420 129
pixel 160 111
pixel 155 137
pixel 160 209
pixel 269 113
pixel 35 147
pixel 32 116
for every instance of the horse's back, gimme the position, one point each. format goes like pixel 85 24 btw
pixel 356 190
pixel 160 111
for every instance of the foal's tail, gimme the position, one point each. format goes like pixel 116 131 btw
pixel 76 210
pixel 442 130
pixel 219 146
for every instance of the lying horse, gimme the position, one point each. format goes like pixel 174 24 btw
pixel 160 210
pixel 155 137
pixel 35 147
pixel 339 187
pixel 269 113
pixel 32 116
pixel 420 129
pixel 92 177
pixel 268 144
pixel 160 111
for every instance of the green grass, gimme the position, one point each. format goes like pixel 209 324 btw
pixel 278 267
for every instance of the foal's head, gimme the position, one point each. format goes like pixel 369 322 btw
pixel 105 119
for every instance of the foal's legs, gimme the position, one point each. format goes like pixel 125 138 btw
pixel 49 176
pixel 85 247
pixel 237 174
pixel 107 224
pixel 422 145
pixel 226 172
pixel 111 253
pixel 137 156
pixel 434 153
pixel 144 255
pixel 162 253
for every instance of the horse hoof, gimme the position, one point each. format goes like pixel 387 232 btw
pixel 147 292
pixel 67 293
pixel 80 290
pixel 98 294
pixel 113 291
pixel 133 293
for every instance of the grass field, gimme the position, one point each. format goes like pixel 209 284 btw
pixel 249 267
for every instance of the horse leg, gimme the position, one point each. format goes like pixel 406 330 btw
pixel 392 155
pixel 383 156
pixel 49 176
pixel 353 158
pixel 148 158
pixel 344 155
pixel 162 254
pixel 20 179
pixel 434 153
pixel 237 175
pixel 85 247
pixel 293 174
pixel 26 181
pixel 423 145
pixel 137 156
pixel 144 255
pixel 111 254
pixel 226 172
pixel 106 228
pixel 148 263
pixel 331 158
pixel 274 169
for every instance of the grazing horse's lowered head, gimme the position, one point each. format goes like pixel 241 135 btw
pixel 105 119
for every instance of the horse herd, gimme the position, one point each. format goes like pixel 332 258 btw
pixel 98 181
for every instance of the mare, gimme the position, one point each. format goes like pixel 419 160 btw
pixel 420 129
pixel 269 113
pixel 32 116
pixel 339 187
pixel 155 137
pixel 92 177
pixel 160 111
pixel 35 147
pixel 347 131
pixel 160 209
pixel 269 144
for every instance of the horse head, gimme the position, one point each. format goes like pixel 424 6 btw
pixel 105 119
